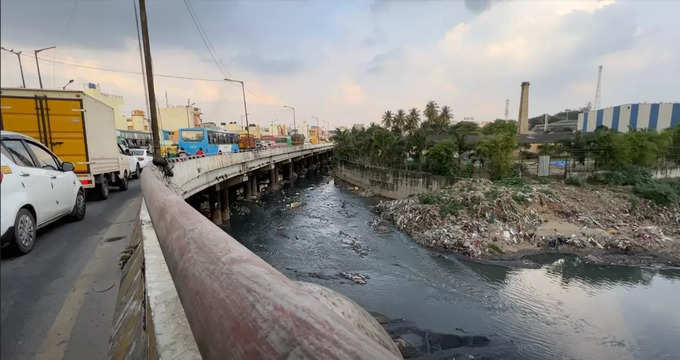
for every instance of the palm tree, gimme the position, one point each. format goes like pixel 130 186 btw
pixel 412 120
pixel 445 116
pixel 399 121
pixel 431 111
pixel 387 119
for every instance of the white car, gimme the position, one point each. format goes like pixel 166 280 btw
pixel 36 187
pixel 132 162
pixel 143 157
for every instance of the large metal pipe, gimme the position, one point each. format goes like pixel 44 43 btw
pixel 238 306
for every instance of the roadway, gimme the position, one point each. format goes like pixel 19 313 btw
pixel 58 301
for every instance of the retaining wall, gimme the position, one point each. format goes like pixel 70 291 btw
pixel 390 183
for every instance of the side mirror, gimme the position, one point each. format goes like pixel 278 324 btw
pixel 67 166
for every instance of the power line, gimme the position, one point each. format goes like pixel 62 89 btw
pixel 204 37
pixel 99 68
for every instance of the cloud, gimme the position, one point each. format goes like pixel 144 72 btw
pixel 267 64
pixel 348 93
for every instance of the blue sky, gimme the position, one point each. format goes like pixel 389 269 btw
pixel 348 61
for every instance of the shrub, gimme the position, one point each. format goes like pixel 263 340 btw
pixel 442 158
pixel 429 198
pixel 497 151
pixel 660 192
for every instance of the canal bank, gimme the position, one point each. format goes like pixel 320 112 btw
pixel 564 308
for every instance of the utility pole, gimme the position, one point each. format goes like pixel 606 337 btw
pixel 37 63
pixel 245 107
pixel 188 105
pixel 507 109
pixel 21 68
pixel 292 108
pixel 149 80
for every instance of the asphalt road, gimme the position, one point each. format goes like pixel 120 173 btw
pixel 58 301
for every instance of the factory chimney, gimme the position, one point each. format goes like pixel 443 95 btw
pixel 523 118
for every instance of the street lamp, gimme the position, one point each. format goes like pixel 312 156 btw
pixel 292 108
pixel 189 104
pixel 21 68
pixel 37 64
pixel 67 84
pixel 245 108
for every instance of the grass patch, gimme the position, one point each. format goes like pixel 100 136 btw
pixel 494 249
pixel 660 192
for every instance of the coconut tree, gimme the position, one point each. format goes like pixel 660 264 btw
pixel 387 119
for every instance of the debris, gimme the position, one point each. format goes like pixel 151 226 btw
pixel 294 204
pixel 474 213
pixel 355 277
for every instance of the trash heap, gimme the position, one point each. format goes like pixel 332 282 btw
pixel 479 218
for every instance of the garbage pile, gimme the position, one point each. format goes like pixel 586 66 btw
pixel 479 218
pixel 357 278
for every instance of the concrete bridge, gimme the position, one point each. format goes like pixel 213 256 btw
pixel 204 295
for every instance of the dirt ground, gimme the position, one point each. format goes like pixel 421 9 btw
pixel 506 221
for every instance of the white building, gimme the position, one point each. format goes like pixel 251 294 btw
pixel 657 116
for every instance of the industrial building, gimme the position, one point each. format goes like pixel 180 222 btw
pixel 657 116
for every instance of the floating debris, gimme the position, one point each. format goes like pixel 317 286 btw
pixel 355 277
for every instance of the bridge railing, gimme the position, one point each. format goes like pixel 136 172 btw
pixel 237 305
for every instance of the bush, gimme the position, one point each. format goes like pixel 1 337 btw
pixel 442 158
pixel 660 192
pixel 630 175
pixel 497 152
pixel 429 198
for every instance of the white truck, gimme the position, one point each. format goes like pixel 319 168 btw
pixel 76 127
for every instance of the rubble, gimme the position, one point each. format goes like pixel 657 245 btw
pixel 479 218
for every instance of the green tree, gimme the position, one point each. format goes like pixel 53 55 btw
pixel 442 158
pixel 412 121
pixel 387 119
pixel 608 148
pixel 417 143
pixel 399 121
pixel 497 153
pixel 431 112
pixel 463 132
pixel 500 126
pixel 445 116
pixel 644 147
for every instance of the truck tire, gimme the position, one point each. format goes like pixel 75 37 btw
pixel 78 212
pixel 103 188
pixel 24 231
pixel 123 182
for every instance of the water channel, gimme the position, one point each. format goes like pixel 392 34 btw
pixel 563 310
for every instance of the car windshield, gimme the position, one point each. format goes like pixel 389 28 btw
pixel 192 135
pixel 138 152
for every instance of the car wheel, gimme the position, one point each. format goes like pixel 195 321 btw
pixel 103 188
pixel 123 183
pixel 24 231
pixel 78 212
pixel 138 171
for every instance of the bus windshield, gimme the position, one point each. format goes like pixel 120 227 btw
pixel 192 135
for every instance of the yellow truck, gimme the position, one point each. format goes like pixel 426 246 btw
pixel 76 127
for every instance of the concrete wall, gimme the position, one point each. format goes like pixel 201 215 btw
pixel 393 184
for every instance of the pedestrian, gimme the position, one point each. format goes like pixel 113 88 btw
pixel 199 152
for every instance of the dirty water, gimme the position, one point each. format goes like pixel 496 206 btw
pixel 565 309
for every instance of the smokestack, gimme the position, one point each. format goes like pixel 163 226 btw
pixel 523 118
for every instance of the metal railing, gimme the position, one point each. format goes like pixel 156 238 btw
pixel 238 306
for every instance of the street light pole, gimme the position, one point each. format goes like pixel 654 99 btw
pixel 292 108
pixel 245 107
pixel 37 63
pixel 21 68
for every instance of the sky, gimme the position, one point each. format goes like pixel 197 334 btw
pixel 347 62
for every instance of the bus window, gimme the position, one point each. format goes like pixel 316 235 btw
pixel 192 135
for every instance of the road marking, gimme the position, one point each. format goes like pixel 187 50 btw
pixel 59 336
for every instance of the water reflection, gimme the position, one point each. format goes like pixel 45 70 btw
pixel 564 309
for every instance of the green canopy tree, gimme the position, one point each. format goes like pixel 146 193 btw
pixel 496 151
pixel 500 126
pixel 442 158
pixel 399 121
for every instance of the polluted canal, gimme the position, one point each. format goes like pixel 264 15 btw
pixel 324 232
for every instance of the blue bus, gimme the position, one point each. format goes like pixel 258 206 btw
pixel 211 141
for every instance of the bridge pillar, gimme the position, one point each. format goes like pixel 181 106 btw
pixel 252 181
pixel 248 186
pixel 215 205
pixel 224 196
pixel 274 176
